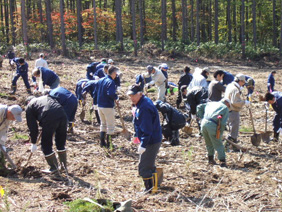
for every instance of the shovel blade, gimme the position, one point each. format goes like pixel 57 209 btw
pixel 188 130
pixel 266 137
pixel 126 134
pixel 256 139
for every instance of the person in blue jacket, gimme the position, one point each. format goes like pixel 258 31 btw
pixel 47 76
pixel 90 87
pixel 227 78
pixel 22 71
pixel 149 132
pixel 69 102
pixel 275 99
pixel 250 84
pixel 91 70
pixel 102 72
pixel 271 81
pixel 106 99
pixel 79 88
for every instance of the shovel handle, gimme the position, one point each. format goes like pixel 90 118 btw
pixel 265 129
pixel 252 120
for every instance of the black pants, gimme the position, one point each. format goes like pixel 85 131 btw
pixel 179 98
pixel 57 127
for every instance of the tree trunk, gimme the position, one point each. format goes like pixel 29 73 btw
pixel 119 30
pixel 234 21
pixel 247 22
pixel 63 35
pixel 229 21
pixel 24 24
pixel 79 22
pixel 184 22
pixel 2 18
pixel 174 21
pixel 6 8
pixel 164 26
pixel 49 23
pixel 141 22
pixel 254 23
pixel 28 9
pixel 95 25
pixel 198 22
pixel 274 28
pixel 192 20
pixel 12 9
pixel 243 29
pixel 216 22
pixel 39 6
pixel 133 13
pixel 210 20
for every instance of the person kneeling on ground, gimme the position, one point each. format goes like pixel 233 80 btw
pixel 173 121
pixel 148 130
pixel 214 118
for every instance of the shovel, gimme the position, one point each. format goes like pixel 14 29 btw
pixel 8 157
pixel 266 135
pixel 188 129
pixel 255 138
pixel 124 132
pixel 37 142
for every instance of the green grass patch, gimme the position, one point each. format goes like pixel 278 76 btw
pixel 3 95
pixel 81 205
pixel 18 136
pixel 246 129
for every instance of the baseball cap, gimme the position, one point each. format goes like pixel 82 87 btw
pixel 241 77
pixel 16 110
pixel 41 55
pixel 164 65
pixel 110 61
pixel 134 89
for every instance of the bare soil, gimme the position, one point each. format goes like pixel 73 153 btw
pixel 252 181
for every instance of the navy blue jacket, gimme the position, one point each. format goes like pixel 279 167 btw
pixel 185 79
pixel 147 122
pixel 100 73
pixel 270 80
pixel 48 76
pixel 67 99
pixel 79 88
pixel 91 69
pixel 21 68
pixel 106 92
pixel 100 65
pixel 90 87
pixel 227 78
pixel 140 81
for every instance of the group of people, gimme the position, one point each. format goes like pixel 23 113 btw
pixel 203 101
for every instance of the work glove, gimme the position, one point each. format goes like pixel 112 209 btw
pixel 33 148
pixel 280 130
pixel 268 84
pixel 141 150
pixel 247 103
pixel 193 116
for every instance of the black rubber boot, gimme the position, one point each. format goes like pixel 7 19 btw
pixel 102 139
pixel 63 159
pixel 70 127
pixel 52 162
pixel 109 141
pixel 211 160
pixel 148 183
pixel 175 138
pixel 276 137
pixel 28 91
pixel 97 117
pixel 14 89
pixel 223 163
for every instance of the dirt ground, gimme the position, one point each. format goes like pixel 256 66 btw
pixel 252 181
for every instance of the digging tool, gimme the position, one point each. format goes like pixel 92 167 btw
pixel 82 114
pixel 124 132
pixel 8 157
pixel 243 149
pixel 37 142
pixel 255 138
pixel 188 129
pixel 266 134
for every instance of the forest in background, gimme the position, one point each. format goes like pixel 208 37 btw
pixel 211 28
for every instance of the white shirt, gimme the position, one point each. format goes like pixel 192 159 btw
pixel 41 63
pixel 198 80
pixel 158 78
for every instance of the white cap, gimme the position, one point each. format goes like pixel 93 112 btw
pixel 241 77
pixel 41 55
pixel 16 110
pixel 110 61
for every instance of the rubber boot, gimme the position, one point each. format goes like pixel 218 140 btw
pixel 155 183
pixel 70 127
pixel 63 159
pixel 109 141
pixel 175 138
pixel 102 139
pixel 14 89
pixel 223 163
pixel 28 91
pixel 275 137
pixel 97 117
pixel 52 162
pixel 148 183
pixel 211 160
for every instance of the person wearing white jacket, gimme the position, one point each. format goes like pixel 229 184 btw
pixel 41 62
pixel 200 78
pixel 159 80
pixel 7 114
